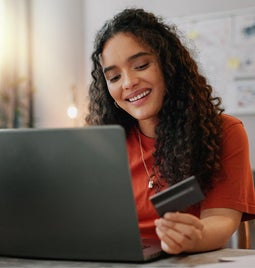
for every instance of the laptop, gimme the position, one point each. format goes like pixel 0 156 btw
pixel 67 194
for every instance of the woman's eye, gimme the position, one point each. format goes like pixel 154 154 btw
pixel 114 78
pixel 142 66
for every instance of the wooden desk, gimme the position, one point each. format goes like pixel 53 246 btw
pixel 192 260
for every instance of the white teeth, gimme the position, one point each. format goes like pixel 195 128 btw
pixel 139 96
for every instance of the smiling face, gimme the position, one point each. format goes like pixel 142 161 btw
pixel 134 78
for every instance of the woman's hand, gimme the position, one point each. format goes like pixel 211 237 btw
pixel 183 232
pixel 179 232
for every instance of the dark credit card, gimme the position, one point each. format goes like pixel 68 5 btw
pixel 178 197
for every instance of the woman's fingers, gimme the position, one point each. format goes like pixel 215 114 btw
pixel 178 232
pixel 184 218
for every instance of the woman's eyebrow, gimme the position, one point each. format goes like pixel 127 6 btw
pixel 109 68
pixel 135 56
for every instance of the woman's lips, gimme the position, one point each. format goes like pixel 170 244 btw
pixel 139 96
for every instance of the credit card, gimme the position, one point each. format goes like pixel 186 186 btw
pixel 178 197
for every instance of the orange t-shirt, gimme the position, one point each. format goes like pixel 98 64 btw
pixel 234 190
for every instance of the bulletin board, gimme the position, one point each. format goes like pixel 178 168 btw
pixel 224 45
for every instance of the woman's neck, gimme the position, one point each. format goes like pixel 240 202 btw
pixel 147 128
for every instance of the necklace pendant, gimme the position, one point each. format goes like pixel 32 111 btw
pixel 150 184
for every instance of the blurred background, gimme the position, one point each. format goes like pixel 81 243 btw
pixel 45 49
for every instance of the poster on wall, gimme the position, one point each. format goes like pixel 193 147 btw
pixel 224 45
pixel 244 96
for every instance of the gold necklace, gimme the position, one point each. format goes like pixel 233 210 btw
pixel 150 177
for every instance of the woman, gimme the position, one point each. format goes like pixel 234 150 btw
pixel 146 80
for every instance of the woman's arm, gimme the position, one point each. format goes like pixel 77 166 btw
pixel 183 232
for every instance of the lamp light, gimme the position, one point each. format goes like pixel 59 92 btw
pixel 72 111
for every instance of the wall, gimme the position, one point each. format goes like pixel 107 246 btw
pixel 57 41
pixel 95 16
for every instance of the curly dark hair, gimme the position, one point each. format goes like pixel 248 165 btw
pixel 189 131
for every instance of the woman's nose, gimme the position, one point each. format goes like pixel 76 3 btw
pixel 130 80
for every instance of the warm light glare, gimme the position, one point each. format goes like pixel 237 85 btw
pixel 72 111
pixel 8 36
pixel 2 28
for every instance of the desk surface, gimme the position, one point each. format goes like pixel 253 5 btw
pixel 191 260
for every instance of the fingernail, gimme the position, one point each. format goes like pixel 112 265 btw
pixel 164 246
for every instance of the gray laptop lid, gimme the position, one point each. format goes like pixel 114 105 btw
pixel 67 194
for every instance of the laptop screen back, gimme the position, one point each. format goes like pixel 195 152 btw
pixel 67 193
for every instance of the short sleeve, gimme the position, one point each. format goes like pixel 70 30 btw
pixel 234 186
